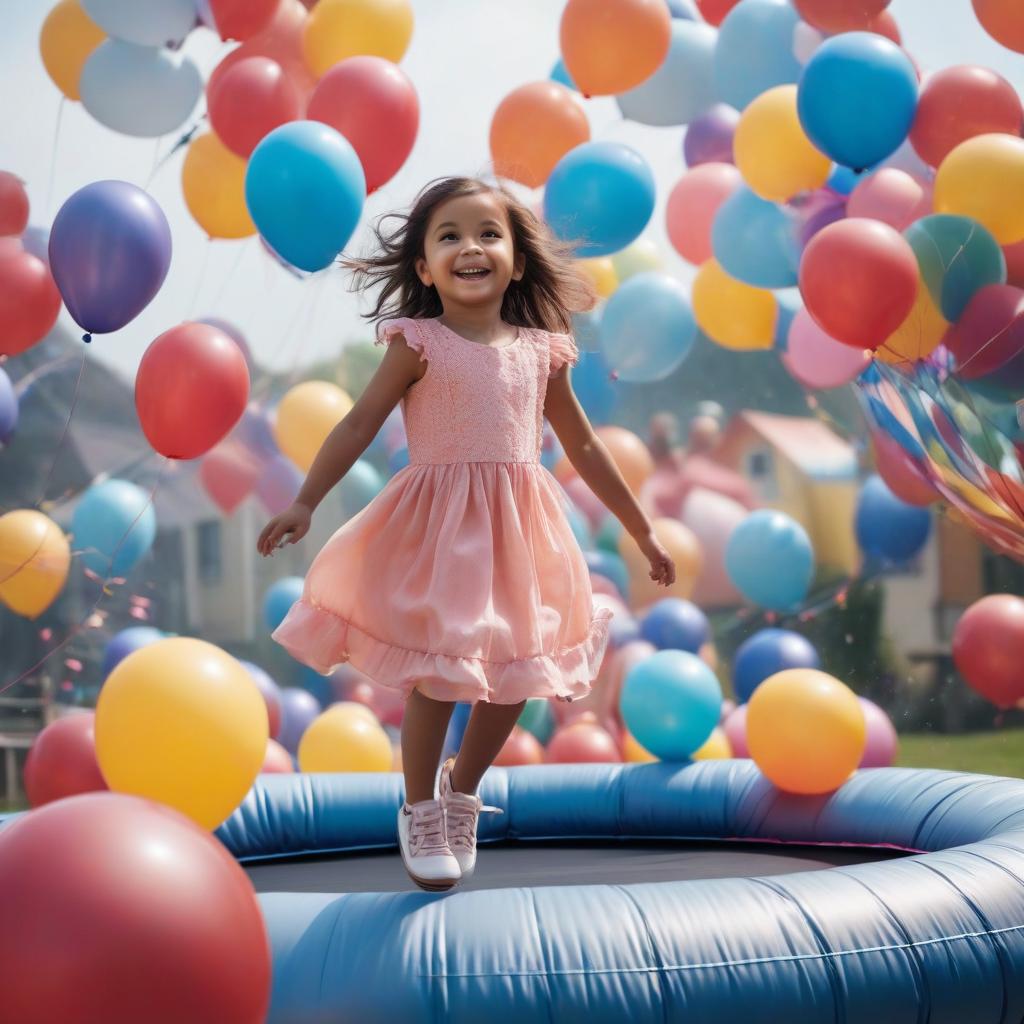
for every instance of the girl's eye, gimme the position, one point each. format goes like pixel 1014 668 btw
pixel 494 233
pixel 446 236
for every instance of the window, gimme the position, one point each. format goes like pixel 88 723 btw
pixel 208 552
pixel 760 471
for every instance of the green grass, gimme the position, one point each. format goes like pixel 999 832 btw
pixel 988 753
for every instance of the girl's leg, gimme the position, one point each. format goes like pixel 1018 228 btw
pixel 488 727
pixel 424 725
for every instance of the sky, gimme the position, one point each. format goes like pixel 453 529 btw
pixel 465 56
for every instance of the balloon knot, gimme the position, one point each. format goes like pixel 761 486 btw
pixel 614 375
pixel 87 337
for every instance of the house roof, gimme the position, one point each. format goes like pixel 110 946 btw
pixel 807 443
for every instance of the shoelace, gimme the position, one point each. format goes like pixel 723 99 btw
pixel 426 832
pixel 462 825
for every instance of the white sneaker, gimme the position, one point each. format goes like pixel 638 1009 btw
pixel 461 811
pixel 425 851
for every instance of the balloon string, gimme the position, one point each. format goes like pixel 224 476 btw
pixel 53 157
pixel 204 263
pixel 183 140
pixel 64 433
pixel 265 384
pixel 230 275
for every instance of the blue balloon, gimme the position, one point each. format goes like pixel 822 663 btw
pixel 624 630
pixel 769 651
pixel 673 623
pixel 770 561
pixel 683 9
pixel 671 702
pixel 857 98
pixel 298 709
pixel 595 390
pixel 144 22
pixel 580 527
pixel 612 567
pixel 398 459
pixel 560 74
pixel 279 598
pixel 121 644
pixel 889 531
pixel 683 87
pixel 790 302
pixel 647 327
pixel 304 186
pixel 8 408
pixel 358 487
pixel 755 50
pixel 956 256
pixel 845 179
pixel 586 329
pixel 115 524
pixel 755 241
pixel 600 195
pixel 316 684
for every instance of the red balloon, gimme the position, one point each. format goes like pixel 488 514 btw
pixel 959 103
pixel 277 760
pixel 358 96
pixel 714 11
pixel 580 742
pixel 252 98
pixel 29 301
pixel 521 747
pixel 1003 20
pixel 229 473
pixel 13 204
pixel 988 648
pixel 62 760
pixel 139 913
pixel 840 15
pixel 242 19
pixel 191 389
pixel 990 331
pixel 884 24
pixel 1014 263
pixel 859 280
pixel 900 474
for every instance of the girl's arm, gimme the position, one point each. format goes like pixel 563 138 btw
pixel 589 457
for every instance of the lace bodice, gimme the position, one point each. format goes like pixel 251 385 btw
pixel 476 403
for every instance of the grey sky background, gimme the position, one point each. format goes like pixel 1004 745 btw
pixel 464 57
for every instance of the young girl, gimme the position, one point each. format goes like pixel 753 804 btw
pixel 462 579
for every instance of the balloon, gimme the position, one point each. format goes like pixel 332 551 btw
pixel 899 472
pixel 279 485
pixel 630 454
pixel 676 624
pixel 671 702
pixel 149 23
pixel 770 560
pixel 121 644
pixel 594 388
pixel 735 730
pixel 13 204
pixel 638 257
pixel 806 731
pixel 959 103
pixel 919 334
pixel 339 29
pixel 683 86
pixel 769 651
pixel 600 194
pixel 818 361
pixel 110 248
pixel 359 95
pixel 113 527
pixel 181 722
pixel 708 139
pixel 816 212
pixel 715 748
pixel 305 187
pixel 775 157
pixel 213 182
pixel 29 302
pixel 340 741
pixel 684 550
pixel 34 561
pixel 756 50
pixel 840 15
pixel 712 517
pixel 601 272
pixel 878 274
pixel 1014 255
pixel 242 19
pixel 582 742
pixel 988 648
pixel 889 531
pixel 561 75
pixel 279 598
pixel 714 11
pixel 191 388
pixel 66 40
pixel 647 328
pixel 298 709
pixel 1003 20
pixel 520 748
pixel 358 487
pixel 228 473
pixel 731 313
pixel 537 719
pixel 983 178
pixel 693 204
pixel 8 408
pixel 610 46
pixel 881 742
pixel 277 760
pixel 857 98
pixel 305 417
pixel 755 241
pixel 62 760
pixel 891 196
pixel 990 331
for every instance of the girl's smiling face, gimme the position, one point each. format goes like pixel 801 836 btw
pixel 469 253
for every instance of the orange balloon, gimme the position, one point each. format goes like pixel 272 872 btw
pixel 1003 20
pixel 610 46
pixel 684 548
pixel 633 752
pixel 805 730
pixel 521 747
pixel 629 453
pixel 533 128
pixel 66 41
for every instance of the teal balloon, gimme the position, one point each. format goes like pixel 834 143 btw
pixel 595 390
pixel 755 241
pixel 580 527
pixel 770 560
pixel 560 74
pixel 538 719
pixel 670 703
pixel 647 327
pixel 305 187
pixel 358 487
pixel 611 566
pixel 113 525
pixel 279 598
pixel 790 302
pixel 609 534
pixel 956 256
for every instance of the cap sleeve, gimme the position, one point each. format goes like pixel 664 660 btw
pixel 414 331
pixel 562 350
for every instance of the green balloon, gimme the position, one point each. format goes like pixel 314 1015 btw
pixel 538 719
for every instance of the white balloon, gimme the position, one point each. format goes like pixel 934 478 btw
pixel 144 22
pixel 139 90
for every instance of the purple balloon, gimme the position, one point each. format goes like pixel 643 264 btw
pixel 882 742
pixel 233 333
pixel 298 709
pixel 279 484
pixel 36 240
pixel 255 432
pixel 8 408
pixel 708 138
pixel 110 249
pixel 271 694
pixel 120 645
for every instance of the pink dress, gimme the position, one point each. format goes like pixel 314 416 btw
pixel 462 577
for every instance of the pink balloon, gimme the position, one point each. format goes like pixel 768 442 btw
pixel 891 196
pixel 602 585
pixel 692 206
pixel 882 742
pixel 712 517
pixel 228 473
pixel 728 707
pixel 735 729
pixel 277 760
pixel 586 501
pixel 818 361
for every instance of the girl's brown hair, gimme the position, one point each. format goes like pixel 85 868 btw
pixel 551 290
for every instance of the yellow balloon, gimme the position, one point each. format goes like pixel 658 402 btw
pixel 983 178
pixel 305 416
pixel 716 747
pixel 773 154
pixel 336 29
pixel 731 313
pixel 638 258
pixel 601 272
pixel 66 40
pixel 805 730
pixel 341 741
pixel 213 180
pixel 181 722
pixel 34 561
pixel 681 543
pixel 919 335
pixel 633 752
pixel 353 707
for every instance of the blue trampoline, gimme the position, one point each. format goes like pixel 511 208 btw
pixel 602 895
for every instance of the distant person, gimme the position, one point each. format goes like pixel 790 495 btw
pixel 462 580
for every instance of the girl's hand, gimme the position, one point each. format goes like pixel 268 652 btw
pixel 663 569
pixel 287 528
